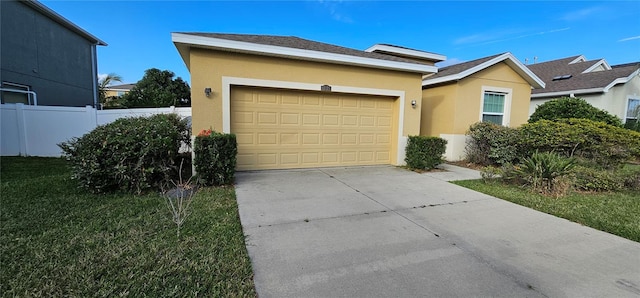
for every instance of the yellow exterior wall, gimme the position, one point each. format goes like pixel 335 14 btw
pixel 438 110
pixel 448 110
pixel 207 67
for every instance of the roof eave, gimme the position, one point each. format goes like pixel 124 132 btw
pixel 522 70
pixel 279 51
pixel 568 92
pixel 382 48
pixel 63 21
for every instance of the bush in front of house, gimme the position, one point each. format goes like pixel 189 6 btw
pixel 543 171
pixel 215 157
pixel 605 145
pixel 424 152
pixel 131 154
pixel 572 107
pixel 491 144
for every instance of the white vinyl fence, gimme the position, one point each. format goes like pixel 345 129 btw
pixel 28 130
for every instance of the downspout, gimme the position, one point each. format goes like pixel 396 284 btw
pixel 94 73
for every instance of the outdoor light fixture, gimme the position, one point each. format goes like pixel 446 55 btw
pixel 413 103
pixel 325 88
pixel 207 91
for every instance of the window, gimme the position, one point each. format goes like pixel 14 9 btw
pixel 633 109
pixel 120 93
pixel 493 107
pixel 13 96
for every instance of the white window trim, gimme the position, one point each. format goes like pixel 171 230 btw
pixel 227 82
pixel 626 107
pixel 506 113
pixel 20 87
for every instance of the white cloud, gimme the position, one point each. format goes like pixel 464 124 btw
pixel 581 14
pixel 500 36
pixel 629 38
pixel 336 11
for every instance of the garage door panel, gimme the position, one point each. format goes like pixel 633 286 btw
pixel 290 129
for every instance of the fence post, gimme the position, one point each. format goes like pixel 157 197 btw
pixel 22 130
pixel 92 117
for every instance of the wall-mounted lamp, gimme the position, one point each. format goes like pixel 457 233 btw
pixel 325 88
pixel 207 92
pixel 413 103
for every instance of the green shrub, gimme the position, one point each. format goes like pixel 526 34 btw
pixel 572 107
pixel 543 169
pixel 592 179
pixel 491 144
pixel 606 145
pixel 629 177
pixel 215 158
pixel 424 152
pixel 130 154
pixel 632 124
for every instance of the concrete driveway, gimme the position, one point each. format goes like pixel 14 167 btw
pixel 388 232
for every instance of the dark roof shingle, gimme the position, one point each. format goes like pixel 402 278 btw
pixel 578 80
pixel 460 67
pixel 303 44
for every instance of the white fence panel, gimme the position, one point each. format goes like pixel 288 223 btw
pixel 36 130
pixel 10 133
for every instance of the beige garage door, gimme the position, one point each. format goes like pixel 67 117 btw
pixel 280 129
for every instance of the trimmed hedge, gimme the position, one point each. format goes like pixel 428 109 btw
pixel 604 144
pixel 424 152
pixel 215 158
pixel 491 144
pixel 130 154
pixel 572 107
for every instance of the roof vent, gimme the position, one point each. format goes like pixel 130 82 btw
pixel 562 77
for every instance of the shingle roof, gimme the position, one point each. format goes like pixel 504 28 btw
pixel 459 71
pixel 300 43
pixel 579 81
pixel 458 68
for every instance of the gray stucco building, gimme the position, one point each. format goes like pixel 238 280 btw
pixel 45 57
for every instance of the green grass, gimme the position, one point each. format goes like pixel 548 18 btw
pixel 57 240
pixel 615 213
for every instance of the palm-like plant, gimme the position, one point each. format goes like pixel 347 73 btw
pixel 542 169
pixel 104 83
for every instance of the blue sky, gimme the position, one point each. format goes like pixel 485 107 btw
pixel 139 32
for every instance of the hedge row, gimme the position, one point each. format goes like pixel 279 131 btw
pixel 215 158
pixel 598 142
pixel 424 152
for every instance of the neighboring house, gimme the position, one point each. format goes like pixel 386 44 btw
pixel 46 59
pixel 118 90
pixel 296 103
pixel 493 89
pixel 615 89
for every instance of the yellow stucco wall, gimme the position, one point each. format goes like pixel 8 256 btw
pixel 207 67
pixel 452 108
pixel 448 110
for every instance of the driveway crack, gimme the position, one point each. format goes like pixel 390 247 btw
pixel 383 205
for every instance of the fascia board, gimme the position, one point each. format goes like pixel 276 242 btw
pixel 560 93
pixel 595 65
pixel 269 50
pixel 519 67
pixel 406 52
pixel 621 80
pixel 580 58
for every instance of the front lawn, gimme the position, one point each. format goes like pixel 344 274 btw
pixel 616 213
pixel 57 240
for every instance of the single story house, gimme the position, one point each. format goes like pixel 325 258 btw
pixel 615 89
pixel 490 89
pixel 46 59
pixel 297 103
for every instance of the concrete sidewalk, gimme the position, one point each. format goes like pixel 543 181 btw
pixel 389 232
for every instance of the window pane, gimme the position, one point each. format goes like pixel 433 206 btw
pixel 631 109
pixel 493 103
pixel 497 119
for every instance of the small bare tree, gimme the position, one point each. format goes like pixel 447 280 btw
pixel 179 198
